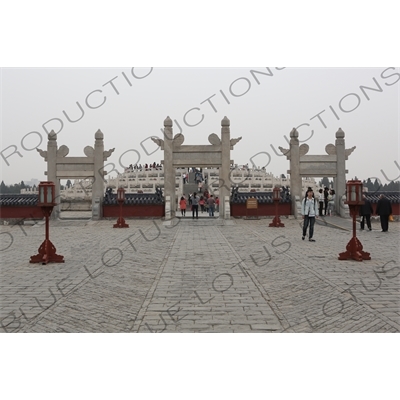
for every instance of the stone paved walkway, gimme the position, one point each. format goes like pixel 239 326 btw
pixel 198 276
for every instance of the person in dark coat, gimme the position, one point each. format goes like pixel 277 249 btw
pixel 326 194
pixel 384 209
pixel 365 214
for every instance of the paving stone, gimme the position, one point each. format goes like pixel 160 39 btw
pixel 198 277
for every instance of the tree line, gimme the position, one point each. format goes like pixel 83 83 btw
pixel 372 187
pixel 16 188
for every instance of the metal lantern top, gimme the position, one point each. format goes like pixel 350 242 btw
pixel 276 193
pixel 121 195
pixel 354 192
pixel 47 194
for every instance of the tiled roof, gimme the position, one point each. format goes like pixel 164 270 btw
pixel 394 197
pixel 15 200
pixel 262 197
pixel 135 198
pixel 23 200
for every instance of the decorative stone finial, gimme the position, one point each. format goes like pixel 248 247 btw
pixel 99 135
pixel 340 134
pixel 294 133
pixel 168 122
pixel 52 135
pixel 225 122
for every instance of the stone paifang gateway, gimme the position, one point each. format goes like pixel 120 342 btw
pixel 213 159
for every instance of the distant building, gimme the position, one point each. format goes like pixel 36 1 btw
pixel 146 181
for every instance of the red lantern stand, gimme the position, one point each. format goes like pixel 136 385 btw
pixel 47 251
pixel 276 222
pixel 121 200
pixel 354 249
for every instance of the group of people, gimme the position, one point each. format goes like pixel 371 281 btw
pixel 310 211
pixel 326 200
pixel 145 167
pixel 206 203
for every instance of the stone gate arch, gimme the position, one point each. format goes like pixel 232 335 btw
pixel 59 166
pixel 177 155
pixel 332 164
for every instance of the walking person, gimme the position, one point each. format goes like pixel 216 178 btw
pixel 195 205
pixel 202 202
pixel 384 209
pixel 321 199
pixel 182 206
pixel 309 213
pixel 365 214
pixel 331 202
pixel 326 195
pixel 211 205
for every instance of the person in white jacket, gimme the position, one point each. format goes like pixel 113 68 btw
pixel 309 211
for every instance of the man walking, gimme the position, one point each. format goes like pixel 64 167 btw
pixel 309 212
pixel 365 214
pixel 384 209
pixel 321 199
pixel 211 205
pixel 195 205
pixel 326 195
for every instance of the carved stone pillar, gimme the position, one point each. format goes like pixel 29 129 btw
pixel 295 178
pixel 224 173
pixel 169 171
pixel 340 181
pixel 51 159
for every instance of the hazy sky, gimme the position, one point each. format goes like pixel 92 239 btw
pixel 263 108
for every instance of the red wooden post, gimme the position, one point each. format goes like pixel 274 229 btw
pixel 121 200
pixel 354 249
pixel 276 222
pixel 47 251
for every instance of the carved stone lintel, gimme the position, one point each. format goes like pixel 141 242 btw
pixel 107 153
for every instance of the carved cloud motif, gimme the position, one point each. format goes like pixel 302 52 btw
pixel 330 149
pixel 62 151
pixel 107 154
pixel 178 139
pixel 89 151
pixel 303 149
pixel 158 142
pixel 285 152
pixel 234 141
pixel 214 139
pixel 43 153
pixel 347 152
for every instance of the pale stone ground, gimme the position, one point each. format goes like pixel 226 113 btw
pixel 198 276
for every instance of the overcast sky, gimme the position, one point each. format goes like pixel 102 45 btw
pixel 263 108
